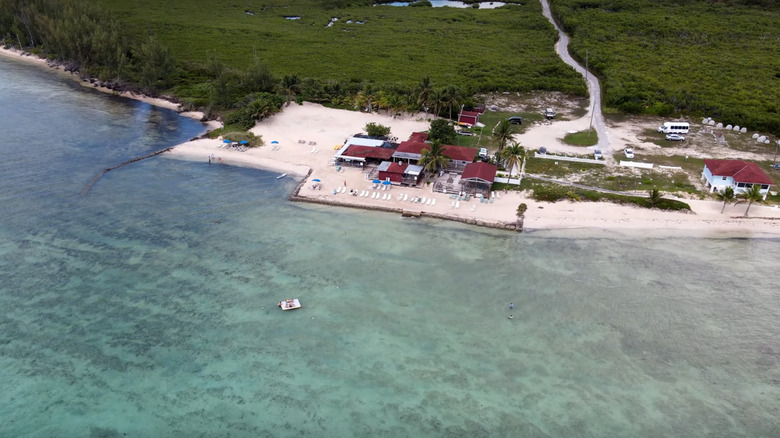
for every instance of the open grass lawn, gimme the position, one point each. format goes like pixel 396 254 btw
pixel 582 138
pixel 666 57
pixel 509 48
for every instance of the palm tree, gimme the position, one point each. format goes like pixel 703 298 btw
pixel 513 156
pixel 654 195
pixel 502 133
pixel 751 195
pixel 291 86
pixel 422 92
pixel 452 98
pixel 727 196
pixel 433 159
pixel 436 101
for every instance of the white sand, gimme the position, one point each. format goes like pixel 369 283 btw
pixel 328 127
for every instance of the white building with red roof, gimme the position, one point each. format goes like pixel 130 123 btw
pixel 737 174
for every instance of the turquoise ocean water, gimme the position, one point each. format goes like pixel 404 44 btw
pixel 147 308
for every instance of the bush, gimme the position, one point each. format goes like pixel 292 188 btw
pixel 376 130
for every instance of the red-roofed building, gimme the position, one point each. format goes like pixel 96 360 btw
pixel 411 151
pixel 737 174
pixel 478 176
pixel 468 118
pixel 399 173
pixel 459 156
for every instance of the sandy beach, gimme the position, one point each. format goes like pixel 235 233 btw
pixel 306 136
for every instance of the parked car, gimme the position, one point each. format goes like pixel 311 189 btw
pixel 597 154
pixel 675 137
pixel 464 132
pixel 549 113
pixel 516 120
pixel 483 153
pixel 542 150
pixel 629 152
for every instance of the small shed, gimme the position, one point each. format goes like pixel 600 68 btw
pixel 468 118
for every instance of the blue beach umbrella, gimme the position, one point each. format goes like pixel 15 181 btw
pixel 225 141
pixel 274 142
pixel 387 183
pixel 376 181
pixel 316 180
pixel 244 142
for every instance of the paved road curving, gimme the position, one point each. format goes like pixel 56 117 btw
pixel 594 88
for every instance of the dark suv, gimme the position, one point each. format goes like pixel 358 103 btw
pixel 517 120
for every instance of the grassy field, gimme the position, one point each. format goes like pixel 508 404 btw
pixel 501 49
pixel 665 57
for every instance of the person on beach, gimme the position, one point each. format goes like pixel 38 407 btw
pixel 511 306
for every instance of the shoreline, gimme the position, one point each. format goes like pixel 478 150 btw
pixel 306 135
pixel 16 54
pixel 298 126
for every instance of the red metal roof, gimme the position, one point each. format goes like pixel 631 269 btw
pixel 368 152
pixel 741 171
pixel 460 153
pixel 413 147
pixel 399 168
pixel 418 136
pixel 480 170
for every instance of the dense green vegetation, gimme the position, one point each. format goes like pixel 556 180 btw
pixel 547 192
pixel 672 57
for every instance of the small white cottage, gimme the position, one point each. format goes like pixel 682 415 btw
pixel 737 174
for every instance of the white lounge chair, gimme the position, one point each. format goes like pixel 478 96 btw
pixel 433 201
pixel 405 197
pixel 452 204
pixel 457 204
pixel 428 202
pixel 473 207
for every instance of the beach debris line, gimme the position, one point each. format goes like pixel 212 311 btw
pixel 124 163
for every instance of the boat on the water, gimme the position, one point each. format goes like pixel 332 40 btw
pixel 289 304
pixel 281 176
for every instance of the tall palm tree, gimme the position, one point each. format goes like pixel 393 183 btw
pixel 422 92
pixel 452 98
pixel 727 196
pixel 751 195
pixel 433 159
pixel 502 133
pixel 395 103
pixel 436 101
pixel 291 86
pixel 513 156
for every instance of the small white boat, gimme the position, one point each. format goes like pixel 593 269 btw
pixel 281 176
pixel 289 304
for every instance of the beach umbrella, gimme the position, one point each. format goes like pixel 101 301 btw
pixel 244 142
pixel 376 181
pixel 387 183
pixel 225 141
pixel 316 180
pixel 274 142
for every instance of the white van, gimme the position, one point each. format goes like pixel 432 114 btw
pixel 674 128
